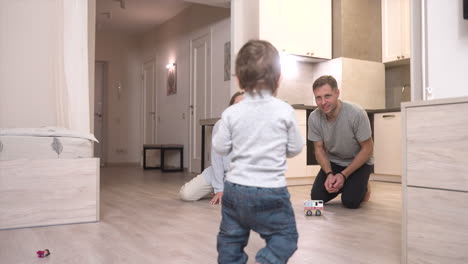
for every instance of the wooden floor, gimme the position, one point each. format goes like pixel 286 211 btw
pixel 143 221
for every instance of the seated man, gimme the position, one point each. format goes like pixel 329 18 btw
pixel 343 146
pixel 212 178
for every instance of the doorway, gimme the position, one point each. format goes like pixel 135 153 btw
pixel 200 85
pixel 100 84
pixel 149 103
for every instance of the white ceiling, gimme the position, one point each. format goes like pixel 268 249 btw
pixel 140 16
pixel 218 3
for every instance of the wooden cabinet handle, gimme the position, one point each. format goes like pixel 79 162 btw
pixel 386 116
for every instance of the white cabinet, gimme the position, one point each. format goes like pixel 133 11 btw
pixel 435 182
pixel 298 27
pixel 437 226
pixel 387 143
pixel 298 172
pixel 395 30
pixel 297 165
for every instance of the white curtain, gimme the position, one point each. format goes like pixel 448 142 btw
pixel 72 83
pixel 44 64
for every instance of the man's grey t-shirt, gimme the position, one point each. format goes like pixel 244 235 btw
pixel 341 137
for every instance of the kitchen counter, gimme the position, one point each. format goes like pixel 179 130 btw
pixel 384 110
pixel 303 107
pixel 309 108
pixel 209 122
pixel 369 111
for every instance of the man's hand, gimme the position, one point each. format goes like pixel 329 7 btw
pixel 339 181
pixel 329 182
pixel 217 198
pixel 333 183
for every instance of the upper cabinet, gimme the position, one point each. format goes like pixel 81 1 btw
pixel 298 27
pixel 395 30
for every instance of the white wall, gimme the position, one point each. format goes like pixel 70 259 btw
pixel 91 57
pixel 361 82
pixel 397 85
pixel 167 43
pixel 44 63
pixel 123 122
pixel 220 89
pixel 27 90
pixel 447 49
pixel 170 42
pixel 298 77
pixel 244 26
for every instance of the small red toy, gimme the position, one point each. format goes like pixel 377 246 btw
pixel 43 253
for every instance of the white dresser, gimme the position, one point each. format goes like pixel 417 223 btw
pixel 435 181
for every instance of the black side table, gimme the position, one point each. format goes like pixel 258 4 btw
pixel 152 146
pixel 167 147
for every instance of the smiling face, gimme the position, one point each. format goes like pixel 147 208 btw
pixel 326 98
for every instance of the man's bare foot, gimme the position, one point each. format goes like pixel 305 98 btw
pixel 368 193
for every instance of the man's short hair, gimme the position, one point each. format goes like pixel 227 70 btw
pixel 325 79
pixel 258 66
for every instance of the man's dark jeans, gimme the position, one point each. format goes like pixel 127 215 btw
pixel 354 188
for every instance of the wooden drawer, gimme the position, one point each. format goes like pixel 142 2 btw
pixel 43 192
pixel 437 146
pixel 437 226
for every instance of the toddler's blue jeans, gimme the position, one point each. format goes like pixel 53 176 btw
pixel 268 212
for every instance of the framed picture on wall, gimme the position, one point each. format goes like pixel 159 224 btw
pixel 171 79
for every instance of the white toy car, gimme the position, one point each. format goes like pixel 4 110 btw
pixel 313 207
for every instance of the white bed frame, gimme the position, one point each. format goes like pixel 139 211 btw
pixel 42 192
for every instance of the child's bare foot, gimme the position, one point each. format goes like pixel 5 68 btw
pixel 368 193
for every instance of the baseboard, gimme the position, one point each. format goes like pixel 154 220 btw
pixel 122 164
pixel 295 181
pixel 385 178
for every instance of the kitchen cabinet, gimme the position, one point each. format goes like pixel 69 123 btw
pixel 297 165
pixel 299 172
pixel 297 27
pixel 395 30
pixel 434 181
pixel 387 143
pixel 437 226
